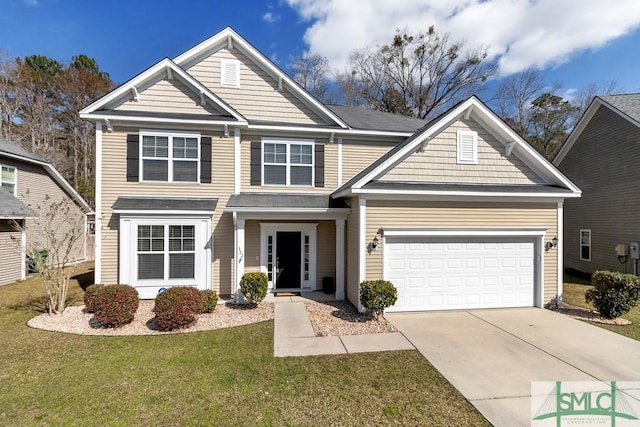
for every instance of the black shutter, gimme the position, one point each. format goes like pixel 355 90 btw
pixel 133 156
pixel 319 165
pixel 256 163
pixel 205 159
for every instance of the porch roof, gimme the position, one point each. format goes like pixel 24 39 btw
pixel 12 208
pixel 284 202
pixel 165 205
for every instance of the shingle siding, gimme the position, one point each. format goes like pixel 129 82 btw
pixel 604 163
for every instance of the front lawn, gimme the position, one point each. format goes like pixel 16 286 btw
pixel 222 377
pixel 574 290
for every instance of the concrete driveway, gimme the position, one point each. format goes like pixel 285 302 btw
pixel 491 356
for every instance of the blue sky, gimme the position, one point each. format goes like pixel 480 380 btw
pixel 572 41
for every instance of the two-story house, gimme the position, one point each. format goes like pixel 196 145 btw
pixel 28 187
pixel 216 163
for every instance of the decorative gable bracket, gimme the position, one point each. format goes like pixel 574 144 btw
pixel 136 95
pixel 509 148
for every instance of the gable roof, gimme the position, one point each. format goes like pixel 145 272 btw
pixel 95 110
pixel 486 118
pixel 367 119
pixel 230 37
pixel 13 151
pixel 10 206
pixel 626 106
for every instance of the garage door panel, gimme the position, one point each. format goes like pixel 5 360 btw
pixel 456 274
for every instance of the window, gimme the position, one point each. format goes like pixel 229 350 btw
pixel 585 245
pixel 467 147
pixel 166 252
pixel 8 179
pixel 170 158
pixel 229 73
pixel 287 163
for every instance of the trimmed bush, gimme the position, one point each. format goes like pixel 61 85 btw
pixel 254 287
pixel 90 298
pixel 614 293
pixel 376 295
pixel 115 305
pixel 210 300
pixel 178 307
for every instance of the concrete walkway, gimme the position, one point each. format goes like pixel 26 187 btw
pixel 294 335
pixel 492 356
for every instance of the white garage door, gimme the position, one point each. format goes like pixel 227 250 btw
pixel 460 274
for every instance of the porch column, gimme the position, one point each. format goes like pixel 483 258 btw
pixel 239 254
pixel 340 261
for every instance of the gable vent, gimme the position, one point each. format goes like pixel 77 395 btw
pixel 229 73
pixel 467 147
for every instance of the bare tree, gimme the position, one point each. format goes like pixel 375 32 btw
pixel 9 103
pixel 514 95
pixel 312 71
pixel 60 231
pixel 583 97
pixel 416 75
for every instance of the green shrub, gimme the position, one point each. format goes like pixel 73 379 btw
pixel 177 307
pixel 614 293
pixel 254 287
pixel 210 300
pixel 115 305
pixel 376 295
pixel 90 298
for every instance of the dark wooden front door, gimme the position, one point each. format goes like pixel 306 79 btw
pixel 288 259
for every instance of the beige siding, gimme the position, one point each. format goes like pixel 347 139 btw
pixel 603 163
pixel 258 97
pixel 114 184
pixel 252 246
pixel 330 167
pixel 10 253
pixel 353 249
pixel 438 162
pixel 37 190
pixel 357 155
pixel 166 96
pixel 463 215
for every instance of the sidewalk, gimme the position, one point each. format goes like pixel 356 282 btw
pixel 294 335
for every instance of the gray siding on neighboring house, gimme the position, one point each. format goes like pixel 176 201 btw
pixel 604 163
pixel 10 253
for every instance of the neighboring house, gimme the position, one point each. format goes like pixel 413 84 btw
pixel 217 163
pixel 602 156
pixel 27 185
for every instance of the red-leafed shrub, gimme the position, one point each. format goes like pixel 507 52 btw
pixel 90 298
pixel 115 305
pixel 177 307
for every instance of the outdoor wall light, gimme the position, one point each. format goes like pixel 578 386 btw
pixel 552 244
pixel 374 243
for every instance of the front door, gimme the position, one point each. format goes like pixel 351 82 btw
pixel 288 259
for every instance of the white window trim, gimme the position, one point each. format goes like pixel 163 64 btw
pixel 170 159
pixel 307 229
pixel 585 230
pixel 288 142
pixel 15 178
pixel 224 63
pixel 128 251
pixel 465 133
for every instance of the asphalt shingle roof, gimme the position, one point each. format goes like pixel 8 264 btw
pixel 10 207
pixel 488 188
pixel 10 148
pixel 285 201
pixel 629 104
pixel 366 119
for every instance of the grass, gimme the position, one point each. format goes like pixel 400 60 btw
pixel 574 289
pixel 223 377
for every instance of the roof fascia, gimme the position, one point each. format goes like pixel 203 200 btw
pixel 148 74
pixel 577 130
pixel 144 212
pixel 463 196
pixel 239 41
pixel 338 132
pixel 144 119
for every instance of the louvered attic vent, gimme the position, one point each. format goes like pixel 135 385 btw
pixel 467 147
pixel 229 73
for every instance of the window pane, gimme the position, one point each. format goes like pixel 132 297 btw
pixel 306 155
pixel 157 231
pixel 175 245
pixel 144 231
pixel 157 245
pixel 269 153
pixel 150 266
pixel 275 175
pixel 181 266
pixel 144 245
pixel 281 153
pixel 155 146
pixel 155 170
pixel 11 188
pixel 178 147
pixel 185 171
pixel 585 252
pixel 300 175
pixel 8 175
pixel 191 148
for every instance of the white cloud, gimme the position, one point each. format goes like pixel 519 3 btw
pixel 518 33
pixel 270 17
